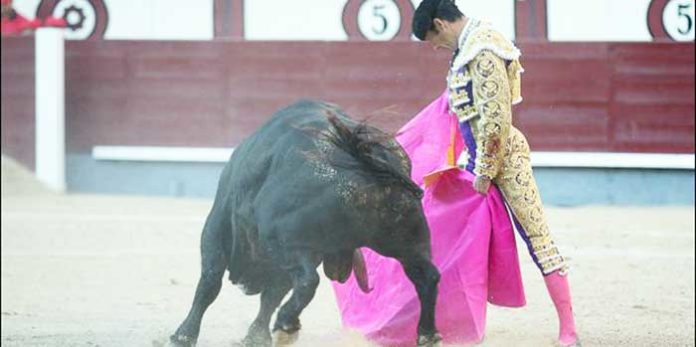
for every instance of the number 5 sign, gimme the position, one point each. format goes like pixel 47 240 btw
pixel 672 19
pixel 378 20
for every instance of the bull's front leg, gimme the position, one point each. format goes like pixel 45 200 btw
pixel 259 334
pixel 305 282
pixel 425 278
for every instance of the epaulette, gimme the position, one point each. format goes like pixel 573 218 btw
pixel 483 37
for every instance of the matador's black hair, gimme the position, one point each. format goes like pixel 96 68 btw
pixel 429 10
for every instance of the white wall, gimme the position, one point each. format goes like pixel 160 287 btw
pixel 598 20
pixel 500 13
pixel 568 20
pixel 143 19
pixel 294 20
pixel 160 20
pixel 26 8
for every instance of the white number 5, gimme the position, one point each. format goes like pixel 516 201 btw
pixel 379 20
pixel 678 19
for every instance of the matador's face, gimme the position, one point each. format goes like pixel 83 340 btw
pixel 442 36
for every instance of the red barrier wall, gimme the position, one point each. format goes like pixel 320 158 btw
pixel 578 96
pixel 17 102
pixel 635 97
pixel 618 97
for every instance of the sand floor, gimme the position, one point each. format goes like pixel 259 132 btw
pixel 81 270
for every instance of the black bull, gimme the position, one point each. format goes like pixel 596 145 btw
pixel 310 187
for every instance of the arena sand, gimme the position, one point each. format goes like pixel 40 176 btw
pixel 89 270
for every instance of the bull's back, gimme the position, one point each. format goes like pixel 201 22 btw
pixel 278 144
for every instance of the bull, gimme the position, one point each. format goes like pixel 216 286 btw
pixel 311 187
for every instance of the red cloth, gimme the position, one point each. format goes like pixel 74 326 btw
pixel 18 25
pixel 473 246
pixel 54 22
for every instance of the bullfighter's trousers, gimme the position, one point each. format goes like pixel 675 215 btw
pixel 516 183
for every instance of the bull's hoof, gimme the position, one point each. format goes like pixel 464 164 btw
pixel 177 340
pixel 286 331
pixel 256 340
pixel 433 340
pixel 285 338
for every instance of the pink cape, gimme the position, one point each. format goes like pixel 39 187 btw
pixel 473 246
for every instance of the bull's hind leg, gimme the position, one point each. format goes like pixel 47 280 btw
pixel 305 281
pixel 212 269
pixel 259 333
pixel 425 278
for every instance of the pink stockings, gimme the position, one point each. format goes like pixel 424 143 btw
pixel 559 291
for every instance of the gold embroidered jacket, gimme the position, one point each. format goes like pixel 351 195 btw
pixel 484 83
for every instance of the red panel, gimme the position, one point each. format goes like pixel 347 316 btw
pixel 608 97
pixel 530 20
pixel 652 104
pixel 229 19
pixel 578 96
pixel 568 127
pixel 655 26
pixel 18 99
pixel 563 109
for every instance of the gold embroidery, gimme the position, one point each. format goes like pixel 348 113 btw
pixel 492 109
pixel 514 70
pixel 481 36
pixel 522 195
pixel 491 130
pixel 492 98
pixel 459 79
pixel 484 38
pixel 490 89
pixel 458 98
pixel 485 66
pixel 464 113
pixel 503 153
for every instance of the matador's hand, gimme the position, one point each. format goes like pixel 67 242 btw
pixel 481 184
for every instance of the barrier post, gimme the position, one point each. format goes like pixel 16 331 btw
pixel 50 107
